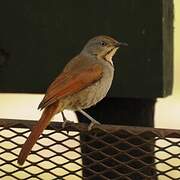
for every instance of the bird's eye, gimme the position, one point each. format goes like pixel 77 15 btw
pixel 103 43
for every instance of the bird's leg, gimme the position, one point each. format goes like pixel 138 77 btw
pixel 64 119
pixel 93 121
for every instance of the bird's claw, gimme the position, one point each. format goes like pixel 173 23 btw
pixel 92 124
pixel 64 124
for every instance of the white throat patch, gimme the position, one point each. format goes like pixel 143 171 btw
pixel 110 55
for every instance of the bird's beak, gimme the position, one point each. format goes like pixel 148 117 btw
pixel 123 44
pixel 118 44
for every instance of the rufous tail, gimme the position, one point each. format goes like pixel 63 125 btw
pixel 37 130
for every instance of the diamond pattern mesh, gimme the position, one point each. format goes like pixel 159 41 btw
pixel 107 152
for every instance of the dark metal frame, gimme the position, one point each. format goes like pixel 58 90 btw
pixel 106 152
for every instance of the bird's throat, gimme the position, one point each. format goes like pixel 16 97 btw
pixel 109 55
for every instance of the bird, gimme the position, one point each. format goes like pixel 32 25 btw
pixel 84 81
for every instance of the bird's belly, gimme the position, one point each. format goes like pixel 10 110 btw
pixel 90 95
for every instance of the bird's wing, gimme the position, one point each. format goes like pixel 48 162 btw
pixel 68 83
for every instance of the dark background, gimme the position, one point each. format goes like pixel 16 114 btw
pixel 37 38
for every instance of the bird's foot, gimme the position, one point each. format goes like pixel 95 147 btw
pixel 91 125
pixel 93 121
pixel 65 123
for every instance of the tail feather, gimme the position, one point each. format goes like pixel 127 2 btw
pixel 37 130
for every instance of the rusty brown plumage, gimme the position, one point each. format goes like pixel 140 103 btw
pixel 84 81
pixel 71 82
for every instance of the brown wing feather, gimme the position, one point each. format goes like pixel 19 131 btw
pixel 71 82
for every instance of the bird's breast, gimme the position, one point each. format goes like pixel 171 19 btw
pixel 93 93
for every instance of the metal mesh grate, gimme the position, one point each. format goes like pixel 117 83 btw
pixel 107 152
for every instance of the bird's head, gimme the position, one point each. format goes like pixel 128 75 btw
pixel 103 47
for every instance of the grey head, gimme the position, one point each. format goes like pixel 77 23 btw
pixel 103 47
